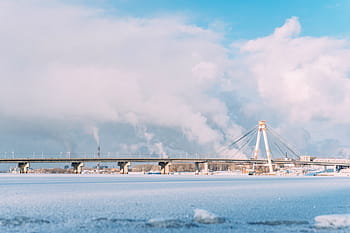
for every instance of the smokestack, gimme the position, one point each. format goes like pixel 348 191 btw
pixel 98 156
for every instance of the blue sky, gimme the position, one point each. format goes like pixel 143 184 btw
pixel 176 76
pixel 246 19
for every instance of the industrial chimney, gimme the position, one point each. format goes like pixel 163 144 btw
pixel 98 156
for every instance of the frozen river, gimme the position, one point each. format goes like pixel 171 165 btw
pixel 154 203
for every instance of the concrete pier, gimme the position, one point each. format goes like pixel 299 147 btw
pixel 196 168
pixel 124 167
pixel 23 167
pixel 206 169
pixel 164 168
pixel 78 167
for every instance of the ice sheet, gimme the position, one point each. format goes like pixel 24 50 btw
pixel 155 203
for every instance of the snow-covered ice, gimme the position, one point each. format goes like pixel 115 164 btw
pixel 333 221
pixel 203 216
pixel 155 203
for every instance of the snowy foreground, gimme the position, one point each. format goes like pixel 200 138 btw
pixel 154 203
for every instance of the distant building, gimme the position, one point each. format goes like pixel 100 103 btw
pixel 331 160
pixel 306 158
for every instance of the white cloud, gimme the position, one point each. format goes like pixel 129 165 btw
pixel 303 77
pixel 70 63
pixel 303 80
pixel 67 67
pixel 290 29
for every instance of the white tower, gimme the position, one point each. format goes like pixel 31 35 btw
pixel 262 128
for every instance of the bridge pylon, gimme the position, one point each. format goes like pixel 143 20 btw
pixel 262 130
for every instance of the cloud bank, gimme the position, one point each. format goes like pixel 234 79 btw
pixel 302 81
pixel 161 85
pixel 70 64
pixel 303 77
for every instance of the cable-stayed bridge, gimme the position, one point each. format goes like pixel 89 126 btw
pixel 277 152
pixel 249 144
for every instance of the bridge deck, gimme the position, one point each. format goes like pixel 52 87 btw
pixel 171 160
pixel 128 159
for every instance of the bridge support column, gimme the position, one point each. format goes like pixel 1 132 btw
pixel 196 168
pixel 124 167
pixel 23 167
pixel 164 168
pixel 206 169
pixel 78 167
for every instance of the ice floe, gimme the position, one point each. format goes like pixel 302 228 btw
pixel 205 217
pixel 332 221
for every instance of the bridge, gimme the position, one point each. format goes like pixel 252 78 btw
pixel 165 161
pixel 124 163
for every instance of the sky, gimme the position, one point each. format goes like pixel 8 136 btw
pixel 244 19
pixel 172 77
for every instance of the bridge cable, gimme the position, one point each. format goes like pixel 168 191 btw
pixel 285 150
pixel 288 148
pixel 231 145
pixel 280 139
pixel 243 147
pixel 279 148
pixel 243 136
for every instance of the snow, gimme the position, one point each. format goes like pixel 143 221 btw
pixel 161 203
pixel 203 216
pixel 333 221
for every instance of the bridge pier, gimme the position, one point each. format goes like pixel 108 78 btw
pixel 196 168
pixel 124 167
pixel 164 168
pixel 78 167
pixel 206 168
pixel 23 167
